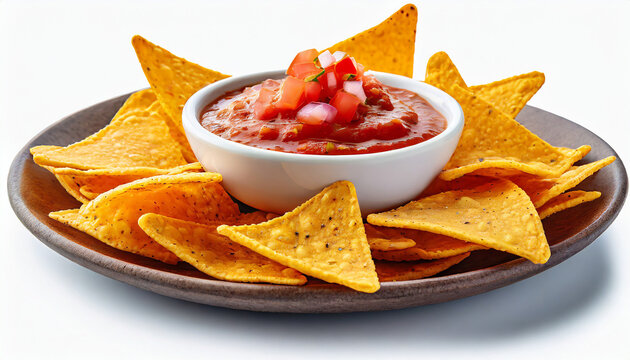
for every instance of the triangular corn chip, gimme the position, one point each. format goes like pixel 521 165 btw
pixel 387 47
pixel 139 139
pixel 323 238
pixel 441 72
pixel 213 254
pixel 498 215
pixel 491 139
pixel 173 79
pixel 388 271
pixel 380 242
pixel 510 95
pixel 565 201
pixel 113 216
pixel 138 101
pixel 541 190
pixel 428 246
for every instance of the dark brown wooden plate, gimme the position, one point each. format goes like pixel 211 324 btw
pixel 34 193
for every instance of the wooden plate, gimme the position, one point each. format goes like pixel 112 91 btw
pixel 34 192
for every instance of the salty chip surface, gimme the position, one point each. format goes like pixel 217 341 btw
pixel 387 47
pixel 388 271
pixel 498 215
pixel 213 254
pixel 323 238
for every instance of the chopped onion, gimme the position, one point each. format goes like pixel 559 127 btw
pixel 338 55
pixel 331 80
pixel 355 88
pixel 316 113
pixel 325 59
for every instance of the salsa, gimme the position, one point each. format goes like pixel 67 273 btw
pixel 324 106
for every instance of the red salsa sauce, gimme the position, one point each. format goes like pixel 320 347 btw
pixel 363 116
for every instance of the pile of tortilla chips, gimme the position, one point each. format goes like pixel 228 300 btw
pixel 143 192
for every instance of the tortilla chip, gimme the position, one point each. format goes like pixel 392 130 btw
pixel 323 238
pixel 566 201
pixel 491 139
pixel 139 139
pixel 542 190
pixel 429 246
pixel 91 183
pixel 387 47
pixel 173 79
pixel 380 242
pixel 138 101
pixel 498 215
pixel 441 72
pixel 213 254
pixel 465 182
pixel 510 95
pixel 113 216
pixel 177 134
pixel 68 183
pixel 388 271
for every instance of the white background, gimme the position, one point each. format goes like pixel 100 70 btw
pixel 59 57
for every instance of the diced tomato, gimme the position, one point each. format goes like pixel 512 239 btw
pixel 347 65
pixel 302 71
pixel 303 57
pixel 346 105
pixel 392 129
pixel 312 91
pixel 263 107
pixel 291 95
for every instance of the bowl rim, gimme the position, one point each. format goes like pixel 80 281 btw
pixel 198 101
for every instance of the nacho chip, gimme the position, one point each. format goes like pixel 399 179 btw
pixel 510 95
pixel 380 242
pixel 542 190
pixel 138 101
pixel 137 140
pixel 498 215
pixel 176 133
pixel 113 216
pixel 491 139
pixel 465 182
pixel 323 238
pixel 387 47
pixel 388 271
pixel 566 201
pixel 429 246
pixel 213 254
pixel 173 79
pixel 442 73
pixel 91 183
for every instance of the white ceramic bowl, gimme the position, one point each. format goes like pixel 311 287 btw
pixel 278 182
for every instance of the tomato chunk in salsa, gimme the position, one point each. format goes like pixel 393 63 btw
pixel 325 106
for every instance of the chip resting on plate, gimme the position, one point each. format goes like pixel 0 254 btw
pixel 510 95
pixel 498 215
pixel 379 241
pixel 387 47
pixel 565 201
pixel 113 216
pixel 491 139
pixel 137 139
pixel 213 254
pixel 429 246
pixel 401 271
pixel 323 238
pixel 173 79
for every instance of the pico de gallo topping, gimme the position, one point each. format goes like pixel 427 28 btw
pixel 325 105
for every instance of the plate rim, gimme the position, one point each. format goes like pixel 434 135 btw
pixel 284 298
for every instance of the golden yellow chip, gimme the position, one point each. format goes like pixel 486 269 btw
pixel 213 254
pixel 541 190
pixel 510 95
pixel 323 238
pixel 387 47
pixel 137 140
pixel 176 133
pixel 138 101
pixel 567 200
pixel 498 215
pixel 91 183
pixel 465 182
pixel 442 73
pixel 429 246
pixel 491 139
pixel 67 182
pixel 379 241
pixel 388 271
pixel 173 79
pixel 113 216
